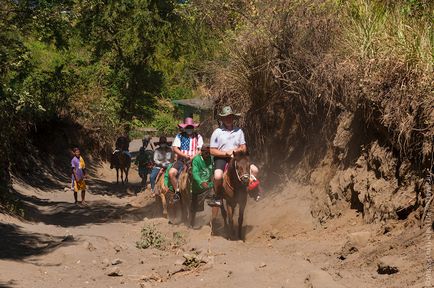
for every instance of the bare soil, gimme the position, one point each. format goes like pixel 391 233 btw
pixel 61 244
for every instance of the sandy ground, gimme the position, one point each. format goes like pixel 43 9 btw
pixel 67 245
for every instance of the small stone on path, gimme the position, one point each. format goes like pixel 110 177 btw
pixel 114 272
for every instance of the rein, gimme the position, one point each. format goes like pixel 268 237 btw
pixel 226 178
pixel 238 175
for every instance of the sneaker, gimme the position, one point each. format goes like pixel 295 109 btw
pixel 215 202
pixel 257 198
pixel 176 197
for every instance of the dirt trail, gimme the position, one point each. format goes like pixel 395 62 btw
pixel 76 246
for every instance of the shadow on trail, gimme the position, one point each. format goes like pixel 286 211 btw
pixel 102 187
pixel 7 284
pixel 17 244
pixel 67 214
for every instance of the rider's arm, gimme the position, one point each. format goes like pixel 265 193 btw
pixel 73 174
pixel 179 153
pixel 241 148
pixel 218 153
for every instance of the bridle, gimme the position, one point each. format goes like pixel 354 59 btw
pixel 243 178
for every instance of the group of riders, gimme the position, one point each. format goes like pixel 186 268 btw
pixel 206 160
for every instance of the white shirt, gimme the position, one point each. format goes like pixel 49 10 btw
pixel 162 156
pixel 225 140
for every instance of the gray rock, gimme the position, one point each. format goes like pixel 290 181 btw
pixel 114 272
pixel 68 238
pixel 116 261
pixel 87 245
pixel 389 265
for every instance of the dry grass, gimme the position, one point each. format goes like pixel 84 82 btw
pixel 296 65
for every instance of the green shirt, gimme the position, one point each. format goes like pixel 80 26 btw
pixel 202 172
pixel 166 177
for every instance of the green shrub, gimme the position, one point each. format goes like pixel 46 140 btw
pixel 151 237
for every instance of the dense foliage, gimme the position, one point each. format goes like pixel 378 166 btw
pixel 105 65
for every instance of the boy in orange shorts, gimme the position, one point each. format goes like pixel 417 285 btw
pixel 78 174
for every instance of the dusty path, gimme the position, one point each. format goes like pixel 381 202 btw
pixel 76 246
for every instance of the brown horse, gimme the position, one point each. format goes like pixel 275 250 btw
pixel 121 161
pixel 235 181
pixel 162 191
pixel 170 208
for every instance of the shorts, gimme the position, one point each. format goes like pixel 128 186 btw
pixel 79 185
pixel 220 163
pixel 178 165
pixel 198 201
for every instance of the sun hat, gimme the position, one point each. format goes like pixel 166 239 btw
pixel 227 110
pixel 188 122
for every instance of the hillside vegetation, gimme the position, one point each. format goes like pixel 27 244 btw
pixel 336 94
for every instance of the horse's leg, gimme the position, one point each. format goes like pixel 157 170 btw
pixel 126 174
pixel 117 175
pixel 164 203
pixel 230 210
pixel 240 221
pixel 225 218
pixel 192 210
pixel 184 213
pixel 214 214
pixel 122 175
pixel 171 211
pixel 192 218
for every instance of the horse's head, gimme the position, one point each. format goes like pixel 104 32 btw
pixel 242 167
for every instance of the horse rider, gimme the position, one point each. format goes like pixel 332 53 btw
pixel 122 145
pixel 202 168
pixel 145 160
pixel 226 140
pixel 162 158
pixel 186 145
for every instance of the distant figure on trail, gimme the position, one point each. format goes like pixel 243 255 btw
pixel 225 141
pixel 78 174
pixel 145 161
pixel 121 158
pixel 202 169
pixel 163 156
pixel 186 145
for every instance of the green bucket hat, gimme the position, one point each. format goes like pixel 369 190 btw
pixel 227 110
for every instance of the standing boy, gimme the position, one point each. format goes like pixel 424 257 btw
pixel 78 174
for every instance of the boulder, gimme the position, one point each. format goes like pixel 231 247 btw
pixel 389 265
